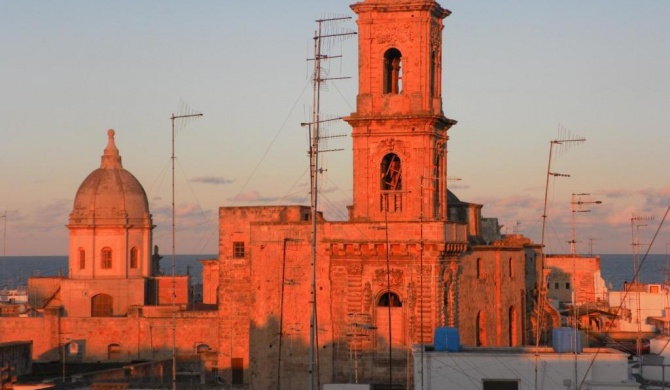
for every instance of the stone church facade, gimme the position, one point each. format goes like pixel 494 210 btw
pixel 411 257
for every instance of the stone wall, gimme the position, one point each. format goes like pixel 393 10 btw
pixel 134 337
pixel 566 274
pixel 491 296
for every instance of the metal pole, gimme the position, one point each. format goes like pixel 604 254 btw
pixel 4 232
pixel 388 288
pixel 576 203
pixel 314 162
pixel 574 278
pixel 174 258
pixel 174 287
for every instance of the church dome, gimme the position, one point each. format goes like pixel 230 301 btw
pixel 110 195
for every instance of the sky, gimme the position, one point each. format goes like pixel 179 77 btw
pixel 516 75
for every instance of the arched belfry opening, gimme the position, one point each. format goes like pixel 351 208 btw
pixel 391 173
pixel 392 71
pixel 391 183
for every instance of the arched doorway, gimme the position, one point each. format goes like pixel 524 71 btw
pixel 389 311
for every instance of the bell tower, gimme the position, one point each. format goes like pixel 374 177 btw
pixel 399 130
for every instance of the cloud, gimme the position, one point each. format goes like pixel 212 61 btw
pixel 49 217
pixel 615 193
pixel 212 180
pixel 656 197
pixel 256 197
pixel 187 216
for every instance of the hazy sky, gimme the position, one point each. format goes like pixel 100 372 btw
pixel 514 72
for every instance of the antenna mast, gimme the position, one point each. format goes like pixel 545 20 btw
pixel 315 137
pixel 635 225
pixel 566 139
pixel 4 231
pixel 173 118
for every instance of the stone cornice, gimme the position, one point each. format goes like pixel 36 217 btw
pixel 387 6
pixel 440 120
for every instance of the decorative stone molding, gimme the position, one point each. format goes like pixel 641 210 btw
pixel 392 145
pixel 367 297
pixel 411 297
pixel 382 276
pixel 355 269
pixel 394 34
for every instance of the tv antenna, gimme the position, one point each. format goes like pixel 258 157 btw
pixel 563 143
pixel 4 231
pixel 184 116
pixel 319 78
pixel 636 222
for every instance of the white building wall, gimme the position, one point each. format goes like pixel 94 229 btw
pixel 468 369
pixel 639 304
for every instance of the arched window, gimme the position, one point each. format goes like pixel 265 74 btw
pixel 392 71
pixel 106 258
pixel 389 299
pixel 102 305
pixel 133 257
pixel 82 258
pixel 481 329
pixel 513 340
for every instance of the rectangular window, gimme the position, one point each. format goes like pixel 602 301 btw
pixel 237 365
pixel 238 249
pixel 556 285
pixel 501 384
pixel 567 285
pixel 82 259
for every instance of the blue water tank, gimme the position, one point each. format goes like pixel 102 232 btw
pixel 563 340
pixel 447 339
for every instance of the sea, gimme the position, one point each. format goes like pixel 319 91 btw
pixel 15 270
pixel 614 268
